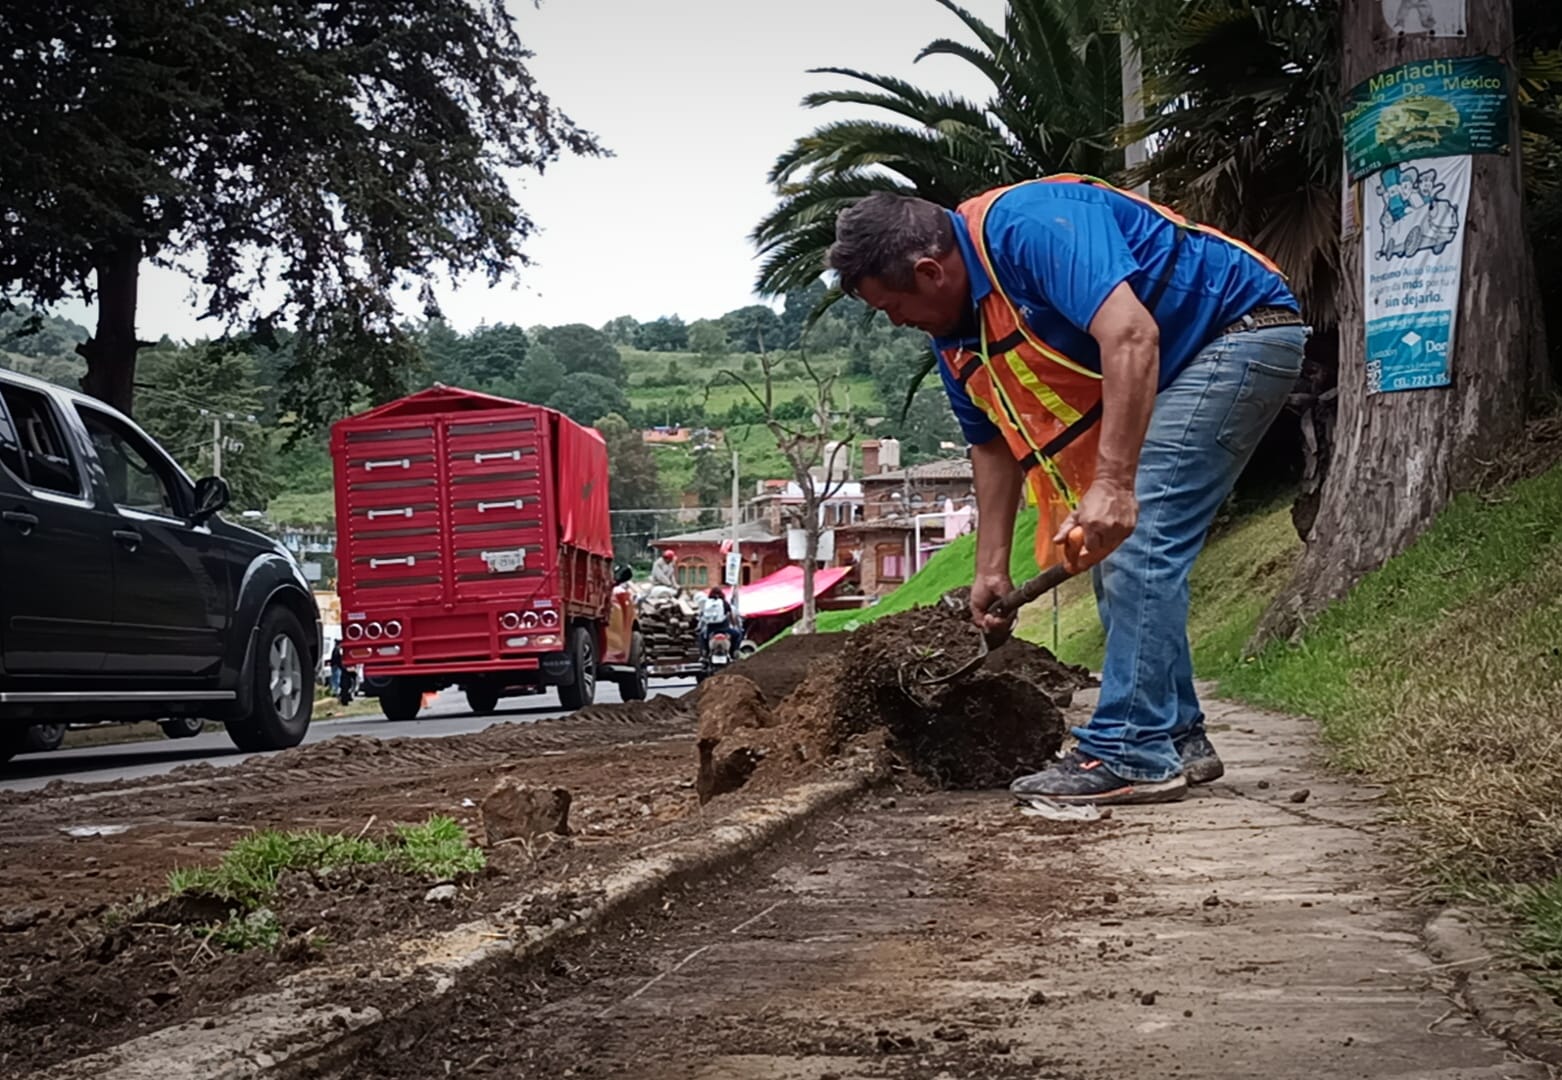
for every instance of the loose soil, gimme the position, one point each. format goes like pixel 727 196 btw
pixel 836 955
pixel 826 693
pixel 90 956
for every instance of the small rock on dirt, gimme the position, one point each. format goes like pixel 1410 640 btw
pixel 1263 785
pixel 15 920
pixel 1147 998
pixel 514 810
pixel 1301 796
pixel 441 894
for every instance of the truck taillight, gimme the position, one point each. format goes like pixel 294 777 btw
pixel 393 628
pixel 374 630
pixel 354 631
pixel 550 618
pixel 529 619
pixel 510 620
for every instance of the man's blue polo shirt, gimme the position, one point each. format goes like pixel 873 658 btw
pixel 1059 249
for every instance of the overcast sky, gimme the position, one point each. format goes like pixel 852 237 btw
pixel 696 98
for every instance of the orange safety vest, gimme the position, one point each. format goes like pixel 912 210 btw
pixel 1046 405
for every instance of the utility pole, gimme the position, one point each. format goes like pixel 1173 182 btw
pixel 216 444
pixel 737 585
pixel 1133 104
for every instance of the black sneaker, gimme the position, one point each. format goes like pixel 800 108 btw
pixel 1200 763
pixel 1081 779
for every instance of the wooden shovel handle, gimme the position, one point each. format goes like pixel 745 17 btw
pixel 1043 582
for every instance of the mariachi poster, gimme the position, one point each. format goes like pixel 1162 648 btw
pixel 1439 18
pixel 1427 108
pixel 1413 254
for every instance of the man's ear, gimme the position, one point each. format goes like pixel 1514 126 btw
pixel 929 270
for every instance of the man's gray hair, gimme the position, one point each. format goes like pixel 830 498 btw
pixel 884 235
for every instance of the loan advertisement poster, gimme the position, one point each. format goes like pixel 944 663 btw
pixel 1428 108
pixel 1439 18
pixel 1413 253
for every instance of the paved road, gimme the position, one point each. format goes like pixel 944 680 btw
pixel 448 716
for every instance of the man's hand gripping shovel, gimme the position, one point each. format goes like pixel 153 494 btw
pixel 1075 559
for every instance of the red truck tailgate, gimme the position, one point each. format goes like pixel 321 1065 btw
pixel 445 505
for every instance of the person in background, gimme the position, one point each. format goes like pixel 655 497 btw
pixel 664 571
pixel 336 667
pixel 717 617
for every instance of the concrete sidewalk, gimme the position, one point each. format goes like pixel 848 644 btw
pixel 1237 935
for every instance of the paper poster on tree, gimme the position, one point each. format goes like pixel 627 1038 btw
pixel 1412 254
pixel 1440 18
pixel 1427 108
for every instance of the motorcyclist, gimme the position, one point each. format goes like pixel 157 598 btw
pixel 717 617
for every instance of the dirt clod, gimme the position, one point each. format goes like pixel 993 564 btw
pixel 1301 796
pixel 1147 998
pixel 514 810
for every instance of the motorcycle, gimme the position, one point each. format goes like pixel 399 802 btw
pixel 718 652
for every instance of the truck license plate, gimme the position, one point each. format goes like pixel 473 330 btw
pixel 504 562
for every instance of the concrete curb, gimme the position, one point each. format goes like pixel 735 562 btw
pixel 1506 1004
pixel 292 1025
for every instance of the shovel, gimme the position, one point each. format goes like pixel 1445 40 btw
pixel 1008 604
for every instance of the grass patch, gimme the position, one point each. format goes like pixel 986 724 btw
pixel 246 878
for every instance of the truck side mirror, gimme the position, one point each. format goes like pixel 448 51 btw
pixel 211 495
pixel 624 575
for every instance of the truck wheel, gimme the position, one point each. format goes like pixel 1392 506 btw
pixel 635 687
pixel 33 739
pixel 182 727
pixel 401 700
pixel 482 700
pixel 283 697
pixel 583 661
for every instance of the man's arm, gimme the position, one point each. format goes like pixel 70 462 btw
pixel 998 482
pixel 1130 369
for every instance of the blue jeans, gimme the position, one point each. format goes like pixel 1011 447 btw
pixel 1205 427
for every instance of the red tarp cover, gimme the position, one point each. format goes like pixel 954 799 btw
pixel 582 489
pixel 783 590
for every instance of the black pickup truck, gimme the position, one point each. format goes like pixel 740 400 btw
pixel 124 596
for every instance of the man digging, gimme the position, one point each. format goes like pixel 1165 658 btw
pixel 1123 362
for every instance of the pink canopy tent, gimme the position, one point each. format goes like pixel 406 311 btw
pixel 782 591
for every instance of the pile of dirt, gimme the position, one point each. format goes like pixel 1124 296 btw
pixel 978 731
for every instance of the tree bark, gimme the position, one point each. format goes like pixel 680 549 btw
pixel 810 558
pixel 111 351
pixel 1398 458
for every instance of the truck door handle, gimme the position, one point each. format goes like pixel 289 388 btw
pixel 498 455
pixel 25 523
pixel 129 538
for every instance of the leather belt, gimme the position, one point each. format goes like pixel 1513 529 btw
pixel 1263 317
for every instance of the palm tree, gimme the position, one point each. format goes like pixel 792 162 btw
pixel 1055 102
pixel 1242 114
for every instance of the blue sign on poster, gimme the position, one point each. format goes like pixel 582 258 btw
pixel 1413 255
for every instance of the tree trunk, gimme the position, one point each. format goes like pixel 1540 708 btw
pixel 1398 458
pixel 111 351
pixel 810 558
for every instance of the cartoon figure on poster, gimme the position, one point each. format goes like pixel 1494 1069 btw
pixel 1440 18
pixel 1415 216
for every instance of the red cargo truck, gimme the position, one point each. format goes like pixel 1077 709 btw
pixel 474 549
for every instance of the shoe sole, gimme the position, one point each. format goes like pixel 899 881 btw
pixel 1204 771
pixel 1158 791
